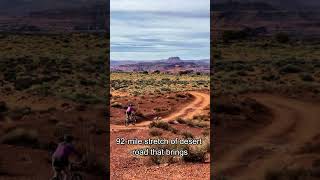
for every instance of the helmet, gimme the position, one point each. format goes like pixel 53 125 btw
pixel 68 138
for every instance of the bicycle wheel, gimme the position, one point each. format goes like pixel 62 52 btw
pixel 76 176
pixel 126 122
pixel 134 120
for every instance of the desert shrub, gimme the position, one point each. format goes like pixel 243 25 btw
pixel 18 113
pixel 175 131
pixel 165 89
pixel 181 121
pixel 196 123
pixel 162 159
pixel 306 77
pixel 270 77
pixel 163 125
pixel 179 95
pixel 42 90
pixel 139 114
pixel 206 132
pixel 187 135
pixel 84 98
pixel 290 68
pixel 201 117
pixel 282 38
pixel 135 93
pixel 172 122
pixel 157 109
pixel 197 153
pixel 155 132
pixel 185 72
pixel 20 136
pixel 116 105
pixel 23 83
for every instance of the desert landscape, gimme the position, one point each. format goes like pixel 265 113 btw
pixel 51 85
pixel 266 88
pixel 172 103
pixel 52 82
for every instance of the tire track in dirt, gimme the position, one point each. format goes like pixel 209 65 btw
pixel 294 124
pixel 201 101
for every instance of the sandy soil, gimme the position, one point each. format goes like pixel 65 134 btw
pixel 294 123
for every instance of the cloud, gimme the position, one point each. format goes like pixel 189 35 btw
pixel 160 5
pixel 151 32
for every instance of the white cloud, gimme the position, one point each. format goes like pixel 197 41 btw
pixel 140 34
pixel 160 5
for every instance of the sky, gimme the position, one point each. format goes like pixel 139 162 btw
pixel 158 29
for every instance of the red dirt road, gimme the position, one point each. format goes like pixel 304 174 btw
pixel 201 101
pixel 294 124
pixel 126 166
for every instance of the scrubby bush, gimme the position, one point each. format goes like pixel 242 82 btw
pixel 116 105
pixel 290 68
pixel 23 83
pixel 180 95
pixel 187 135
pixel 196 123
pixel 306 77
pixel 181 121
pixel 20 136
pixel 197 153
pixel 163 125
pixel 19 113
pixel 162 159
pixel 84 98
pixel 155 132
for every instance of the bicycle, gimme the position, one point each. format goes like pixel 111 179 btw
pixel 131 118
pixel 73 173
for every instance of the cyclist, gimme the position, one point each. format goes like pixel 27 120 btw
pixel 60 158
pixel 129 112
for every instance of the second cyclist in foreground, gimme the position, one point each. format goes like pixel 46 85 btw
pixel 60 158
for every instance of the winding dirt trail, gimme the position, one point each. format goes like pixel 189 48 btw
pixel 201 101
pixel 294 124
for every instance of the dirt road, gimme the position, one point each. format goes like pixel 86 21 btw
pixel 294 124
pixel 201 101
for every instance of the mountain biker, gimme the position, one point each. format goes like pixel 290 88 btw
pixel 60 158
pixel 129 111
